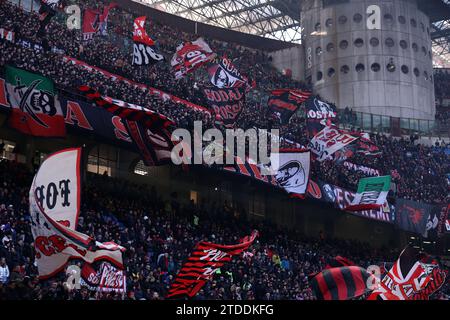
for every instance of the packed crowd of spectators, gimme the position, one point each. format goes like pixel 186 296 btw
pixel 159 234
pixel 442 90
pixel 421 170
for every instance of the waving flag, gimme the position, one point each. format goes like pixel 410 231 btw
pixel 366 147
pixel 292 168
pixel 190 56
pixel 54 242
pixel 64 183
pixel 413 276
pixel 338 262
pixel 144 52
pixel 285 102
pixel 35 109
pixel 149 130
pixel 203 263
pixel 438 279
pixel 329 141
pixel 342 283
pixel 372 193
pixel 319 114
pixel 226 75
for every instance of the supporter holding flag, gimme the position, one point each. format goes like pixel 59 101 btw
pixel 144 52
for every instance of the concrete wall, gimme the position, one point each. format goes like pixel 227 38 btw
pixel 337 39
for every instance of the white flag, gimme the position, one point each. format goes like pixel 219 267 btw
pixel 292 170
pixel 54 242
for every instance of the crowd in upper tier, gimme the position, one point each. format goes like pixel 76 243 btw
pixel 420 170
pixel 159 233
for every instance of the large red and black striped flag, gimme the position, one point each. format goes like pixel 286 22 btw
pixel 340 261
pixel 149 130
pixel 342 283
pixel 203 263
pixel 283 103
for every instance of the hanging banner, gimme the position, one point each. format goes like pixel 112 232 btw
pixel 371 194
pixel 342 198
pixel 292 168
pixel 412 216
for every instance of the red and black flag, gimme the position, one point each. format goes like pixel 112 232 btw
pixel 191 56
pixel 342 283
pixel 414 276
pixel 149 130
pixel 319 114
pixel 338 262
pixel 144 52
pixel 228 104
pixel 203 263
pixel 226 75
pixel 283 103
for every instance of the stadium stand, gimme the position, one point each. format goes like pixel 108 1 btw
pixel 156 229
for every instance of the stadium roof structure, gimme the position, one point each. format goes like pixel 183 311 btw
pixel 280 19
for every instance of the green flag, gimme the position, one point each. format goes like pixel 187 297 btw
pixel 35 110
pixel 371 194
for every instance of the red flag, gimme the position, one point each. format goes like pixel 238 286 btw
pixel 139 33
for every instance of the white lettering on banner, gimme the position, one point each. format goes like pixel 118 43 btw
pixel 328 141
pixel 368 171
pixel 213 255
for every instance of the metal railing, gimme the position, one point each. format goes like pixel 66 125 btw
pixel 394 126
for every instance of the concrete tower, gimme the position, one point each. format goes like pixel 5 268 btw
pixel 372 56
